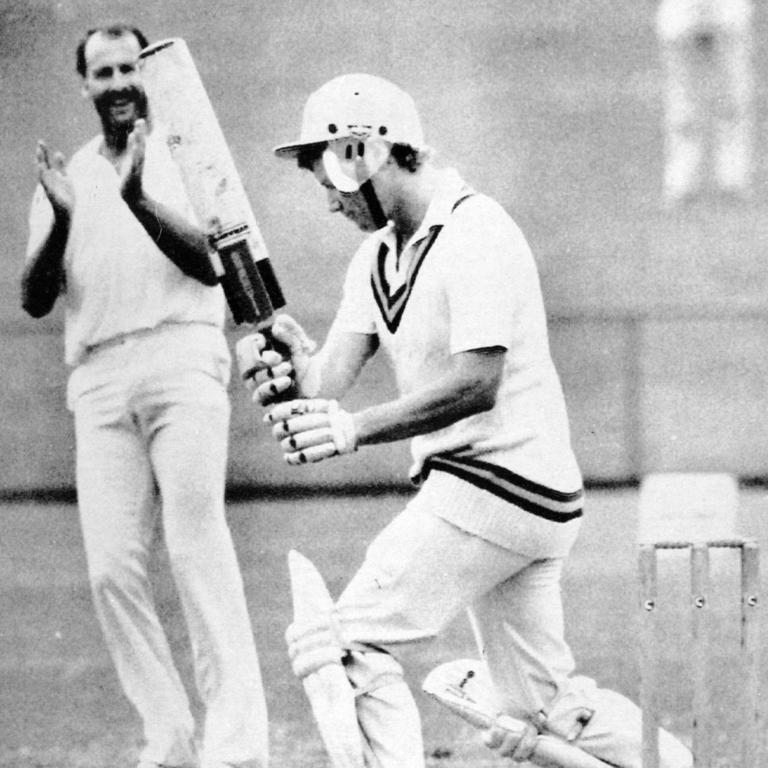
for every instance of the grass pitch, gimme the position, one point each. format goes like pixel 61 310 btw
pixel 61 705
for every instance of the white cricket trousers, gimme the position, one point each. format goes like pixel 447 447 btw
pixel 151 420
pixel 418 575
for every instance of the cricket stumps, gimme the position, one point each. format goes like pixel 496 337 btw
pixel 703 726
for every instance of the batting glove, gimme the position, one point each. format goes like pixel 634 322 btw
pixel 263 370
pixel 506 744
pixel 312 430
pixel 267 372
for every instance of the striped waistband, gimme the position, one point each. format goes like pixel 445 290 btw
pixel 539 500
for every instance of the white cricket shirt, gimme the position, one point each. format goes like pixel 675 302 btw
pixel 467 280
pixel 117 280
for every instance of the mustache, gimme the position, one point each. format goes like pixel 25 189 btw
pixel 131 93
pixel 105 101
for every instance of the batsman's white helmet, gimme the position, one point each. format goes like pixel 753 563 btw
pixel 359 117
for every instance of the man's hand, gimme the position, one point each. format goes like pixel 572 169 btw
pixel 54 180
pixel 263 370
pixel 131 171
pixel 312 430
pixel 508 744
pixel 268 372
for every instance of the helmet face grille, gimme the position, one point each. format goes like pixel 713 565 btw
pixel 351 162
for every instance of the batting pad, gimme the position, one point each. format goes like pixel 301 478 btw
pixel 327 687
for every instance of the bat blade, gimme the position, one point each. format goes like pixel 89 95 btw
pixel 180 104
pixel 464 687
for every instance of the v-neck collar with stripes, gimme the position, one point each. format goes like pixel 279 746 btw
pixel 393 279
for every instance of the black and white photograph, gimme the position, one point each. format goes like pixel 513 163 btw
pixel 385 384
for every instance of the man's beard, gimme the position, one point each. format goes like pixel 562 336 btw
pixel 104 105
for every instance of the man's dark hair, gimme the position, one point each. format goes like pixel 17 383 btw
pixel 404 155
pixel 407 157
pixel 309 155
pixel 111 30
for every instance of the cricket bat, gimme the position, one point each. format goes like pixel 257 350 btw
pixel 178 101
pixel 465 688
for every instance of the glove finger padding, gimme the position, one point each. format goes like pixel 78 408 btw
pixel 270 391
pixel 312 430
pixel 273 381
pixel 274 361
pixel 272 370
pixel 282 411
pixel 301 349
pixel 286 330
pixel 313 454
pixel 248 354
pixel 307 438
pixel 493 737
pixel 518 747
pixel 303 423
pixel 258 365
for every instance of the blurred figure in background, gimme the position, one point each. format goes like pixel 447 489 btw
pixel 706 48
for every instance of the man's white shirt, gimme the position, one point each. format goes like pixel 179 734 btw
pixel 117 280
pixel 467 280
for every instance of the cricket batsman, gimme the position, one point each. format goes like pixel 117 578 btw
pixel 446 284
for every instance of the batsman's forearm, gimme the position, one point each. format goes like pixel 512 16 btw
pixel 43 277
pixel 469 387
pixel 183 243
pixel 419 413
pixel 323 377
pixel 337 366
